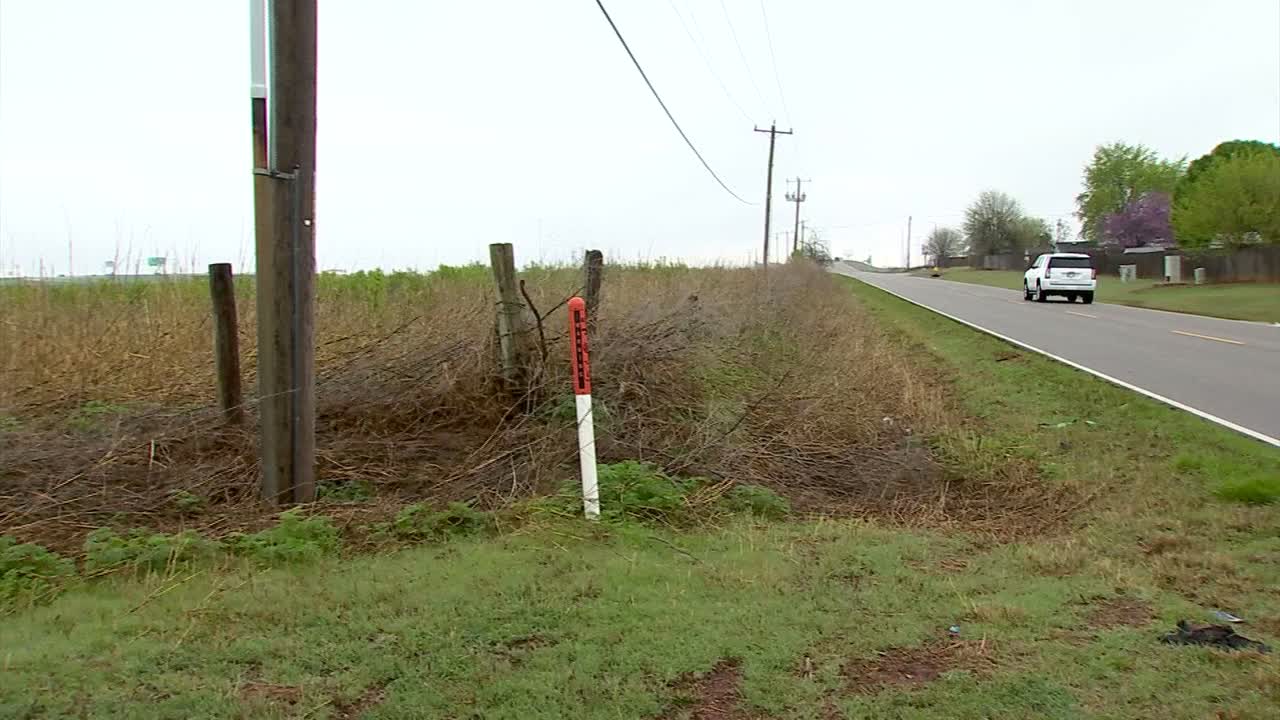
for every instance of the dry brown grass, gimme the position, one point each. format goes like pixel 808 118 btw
pixel 780 380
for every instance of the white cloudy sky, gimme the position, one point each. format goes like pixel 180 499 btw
pixel 445 126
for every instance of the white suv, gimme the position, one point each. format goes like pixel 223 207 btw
pixel 1070 275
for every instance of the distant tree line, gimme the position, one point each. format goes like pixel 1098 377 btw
pixel 1227 198
pixel 1133 198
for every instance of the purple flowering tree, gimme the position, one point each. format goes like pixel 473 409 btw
pixel 1143 222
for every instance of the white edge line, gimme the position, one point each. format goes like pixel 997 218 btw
pixel 1115 381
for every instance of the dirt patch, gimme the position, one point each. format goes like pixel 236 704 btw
pixel 516 649
pixel 271 693
pixel 714 695
pixel 1119 612
pixel 353 709
pixel 915 666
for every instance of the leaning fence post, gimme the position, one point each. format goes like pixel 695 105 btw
pixel 513 324
pixel 226 343
pixel 594 267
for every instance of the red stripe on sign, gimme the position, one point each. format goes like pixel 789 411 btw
pixel 578 340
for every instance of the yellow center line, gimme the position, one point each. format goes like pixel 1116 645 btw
pixel 1073 312
pixel 1206 337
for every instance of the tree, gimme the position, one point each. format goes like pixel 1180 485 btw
pixel 942 243
pixel 1118 175
pixel 1031 232
pixel 991 224
pixel 814 248
pixel 1224 151
pixel 1061 232
pixel 1143 222
pixel 1235 201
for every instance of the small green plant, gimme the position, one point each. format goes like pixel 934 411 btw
pixel 89 415
pixel 418 522
pixel 295 539
pixel 1186 463
pixel 186 502
pixel 354 492
pixel 27 569
pixel 1257 489
pixel 145 551
pixel 756 500
pixel 631 490
pixel 642 491
pixel 9 423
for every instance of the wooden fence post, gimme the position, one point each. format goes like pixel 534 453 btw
pixel 594 267
pixel 513 324
pixel 226 343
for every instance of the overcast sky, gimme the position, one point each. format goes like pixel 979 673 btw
pixel 445 126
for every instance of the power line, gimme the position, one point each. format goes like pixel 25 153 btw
pixel 658 97
pixel 743 55
pixel 707 60
pixel 774 59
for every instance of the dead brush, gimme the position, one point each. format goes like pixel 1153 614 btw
pixel 779 380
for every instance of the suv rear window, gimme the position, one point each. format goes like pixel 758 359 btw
pixel 1071 262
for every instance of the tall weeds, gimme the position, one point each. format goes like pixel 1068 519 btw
pixel 778 379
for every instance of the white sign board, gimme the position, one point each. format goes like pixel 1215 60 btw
pixel 258 48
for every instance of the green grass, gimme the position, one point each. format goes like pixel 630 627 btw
pixel 565 619
pixel 1237 301
pixel 586 622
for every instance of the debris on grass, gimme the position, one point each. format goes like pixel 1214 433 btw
pixel 1218 636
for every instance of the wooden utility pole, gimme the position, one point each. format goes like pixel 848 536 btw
pixel 797 197
pixel 284 202
pixel 513 325
pixel 594 270
pixel 226 343
pixel 774 132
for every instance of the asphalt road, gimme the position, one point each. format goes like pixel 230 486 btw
pixel 1226 369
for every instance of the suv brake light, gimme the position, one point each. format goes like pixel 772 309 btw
pixel 1095 273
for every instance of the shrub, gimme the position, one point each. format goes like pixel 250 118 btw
pixel 27 569
pixel 756 500
pixel 145 551
pixel 294 539
pixel 418 522
pixel 640 491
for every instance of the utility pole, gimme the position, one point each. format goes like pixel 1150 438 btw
pixel 797 197
pixel 284 205
pixel 908 242
pixel 774 132
pixel 801 235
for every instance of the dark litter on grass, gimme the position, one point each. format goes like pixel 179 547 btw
pixel 1219 636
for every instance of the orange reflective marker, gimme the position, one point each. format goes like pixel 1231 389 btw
pixel 580 357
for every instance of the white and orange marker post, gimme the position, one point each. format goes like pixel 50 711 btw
pixel 582 394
